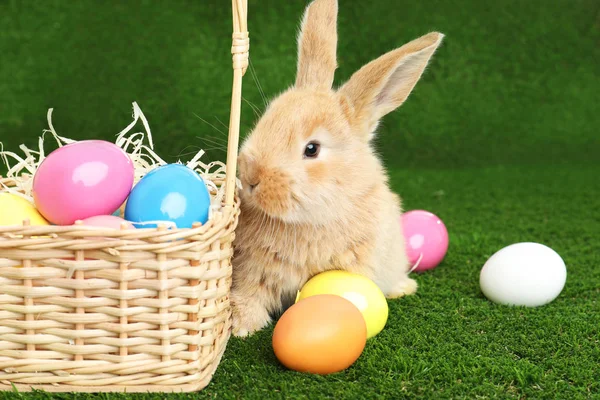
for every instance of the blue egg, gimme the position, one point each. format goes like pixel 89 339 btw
pixel 173 193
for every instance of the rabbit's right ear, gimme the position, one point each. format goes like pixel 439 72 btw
pixel 383 85
pixel 317 46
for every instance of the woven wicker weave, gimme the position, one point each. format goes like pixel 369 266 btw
pixel 96 310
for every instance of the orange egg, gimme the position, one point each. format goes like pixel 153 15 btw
pixel 321 334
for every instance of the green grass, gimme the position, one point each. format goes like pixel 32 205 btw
pixel 500 139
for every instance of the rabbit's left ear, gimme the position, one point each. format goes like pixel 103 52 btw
pixel 384 84
pixel 317 46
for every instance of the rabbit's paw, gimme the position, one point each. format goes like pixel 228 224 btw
pixel 405 287
pixel 249 318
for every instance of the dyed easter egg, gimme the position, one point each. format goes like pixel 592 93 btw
pixel 103 221
pixel 170 193
pixel 426 239
pixel 360 290
pixel 523 274
pixel 107 221
pixel 321 334
pixel 81 180
pixel 15 209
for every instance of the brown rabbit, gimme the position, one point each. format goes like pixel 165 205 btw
pixel 315 196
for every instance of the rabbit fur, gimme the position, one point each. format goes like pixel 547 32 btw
pixel 304 215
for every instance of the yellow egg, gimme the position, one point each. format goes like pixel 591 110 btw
pixel 14 209
pixel 360 290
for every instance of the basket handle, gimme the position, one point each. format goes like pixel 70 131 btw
pixel 240 50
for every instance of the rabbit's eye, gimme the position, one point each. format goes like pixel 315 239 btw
pixel 312 150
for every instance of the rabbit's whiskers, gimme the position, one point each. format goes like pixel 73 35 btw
pixel 211 125
pixel 256 110
pixel 258 85
pixel 213 140
pixel 221 122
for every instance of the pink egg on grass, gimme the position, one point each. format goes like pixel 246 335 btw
pixel 426 239
pixel 81 180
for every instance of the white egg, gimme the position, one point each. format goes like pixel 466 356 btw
pixel 523 274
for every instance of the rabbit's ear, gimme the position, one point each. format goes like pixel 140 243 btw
pixel 384 84
pixel 317 45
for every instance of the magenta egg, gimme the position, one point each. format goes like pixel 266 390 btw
pixel 81 180
pixel 426 239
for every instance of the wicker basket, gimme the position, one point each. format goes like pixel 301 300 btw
pixel 135 310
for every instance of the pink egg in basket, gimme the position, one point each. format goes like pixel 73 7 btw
pixel 104 221
pixel 426 239
pixel 81 180
pixel 107 221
